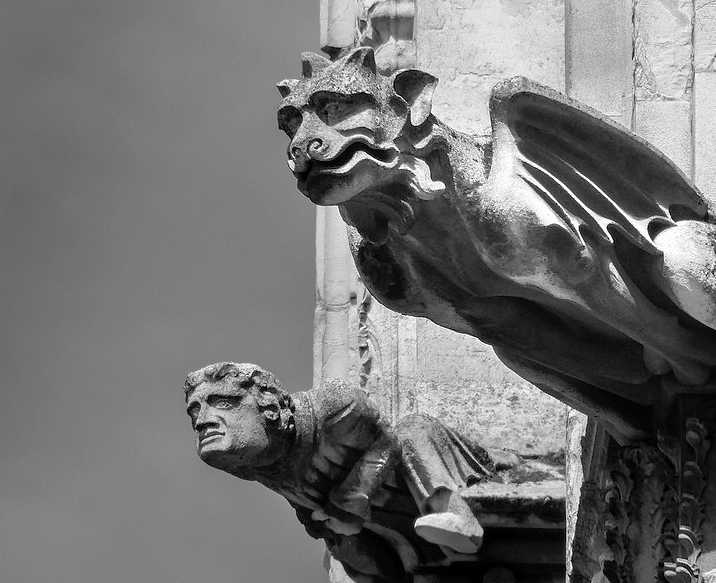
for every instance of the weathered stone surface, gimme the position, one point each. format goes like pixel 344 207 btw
pixel 394 356
pixel 473 45
pixel 667 125
pixel 334 277
pixel 705 36
pixel 388 27
pixel 387 500
pixel 510 240
pixel 663 32
pixel 598 67
pixel 461 382
pixel 338 24
pixel 598 52
pixel 705 134
pixel 574 477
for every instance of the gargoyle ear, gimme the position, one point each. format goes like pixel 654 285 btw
pixel 312 63
pixel 286 86
pixel 417 88
pixel 363 57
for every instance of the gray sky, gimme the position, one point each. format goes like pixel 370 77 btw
pixel 149 226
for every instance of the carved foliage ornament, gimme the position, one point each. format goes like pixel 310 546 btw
pixel 580 252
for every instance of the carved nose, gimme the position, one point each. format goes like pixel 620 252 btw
pixel 315 148
pixel 300 159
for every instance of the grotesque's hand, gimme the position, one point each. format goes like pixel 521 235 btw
pixel 348 525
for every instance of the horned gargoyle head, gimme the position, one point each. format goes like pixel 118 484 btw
pixel 355 132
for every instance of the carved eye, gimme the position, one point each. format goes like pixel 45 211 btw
pixel 334 111
pixel 336 108
pixel 223 401
pixel 289 120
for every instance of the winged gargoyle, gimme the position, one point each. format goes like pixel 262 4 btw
pixel 582 254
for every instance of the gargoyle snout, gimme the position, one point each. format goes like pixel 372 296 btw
pixel 300 154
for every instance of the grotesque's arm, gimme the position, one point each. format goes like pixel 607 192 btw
pixel 353 495
pixel 352 435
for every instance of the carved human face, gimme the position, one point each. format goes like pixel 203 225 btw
pixel 230 431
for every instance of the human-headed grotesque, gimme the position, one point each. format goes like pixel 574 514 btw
pixel 385 500
pixel 241 416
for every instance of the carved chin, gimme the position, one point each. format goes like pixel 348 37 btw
pixel 216 457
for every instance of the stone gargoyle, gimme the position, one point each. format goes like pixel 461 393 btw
pixel 387 501
pixel 582 254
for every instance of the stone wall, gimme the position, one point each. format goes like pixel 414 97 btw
pixel 648 64
pixel 410 364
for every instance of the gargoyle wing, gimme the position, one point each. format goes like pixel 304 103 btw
pixel 591 171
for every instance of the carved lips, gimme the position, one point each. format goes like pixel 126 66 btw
pixel 352 171
pixel 210 435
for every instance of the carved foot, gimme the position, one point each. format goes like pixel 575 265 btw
pixel 452 524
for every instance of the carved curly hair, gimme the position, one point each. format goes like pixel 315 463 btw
pixel 274 402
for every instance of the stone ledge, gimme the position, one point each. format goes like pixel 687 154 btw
pixel 529 505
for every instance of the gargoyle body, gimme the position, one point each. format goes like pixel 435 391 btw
pixel 386 500
pixel 578 251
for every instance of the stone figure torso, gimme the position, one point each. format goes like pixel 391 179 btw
pixel 386 500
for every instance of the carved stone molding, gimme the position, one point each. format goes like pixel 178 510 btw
pixel 628 513
pixel 387 26
pixel 642 515
pixel 683 567
pixel 368 351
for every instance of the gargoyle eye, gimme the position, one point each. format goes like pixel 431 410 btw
pixel 331 112
pixel 289 120
pixel 334 108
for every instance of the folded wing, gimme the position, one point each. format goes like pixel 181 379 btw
pixel 593 173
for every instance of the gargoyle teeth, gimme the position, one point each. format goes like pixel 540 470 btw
pixel 291 165
pixel 422 184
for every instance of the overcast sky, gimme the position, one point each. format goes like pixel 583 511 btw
pixel 149 226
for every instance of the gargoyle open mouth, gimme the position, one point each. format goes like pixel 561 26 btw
pixel 363 167
pixel 349 158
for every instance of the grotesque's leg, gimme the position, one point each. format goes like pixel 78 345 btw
pixel 354 494
pixel 437 466
pixel 688 276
